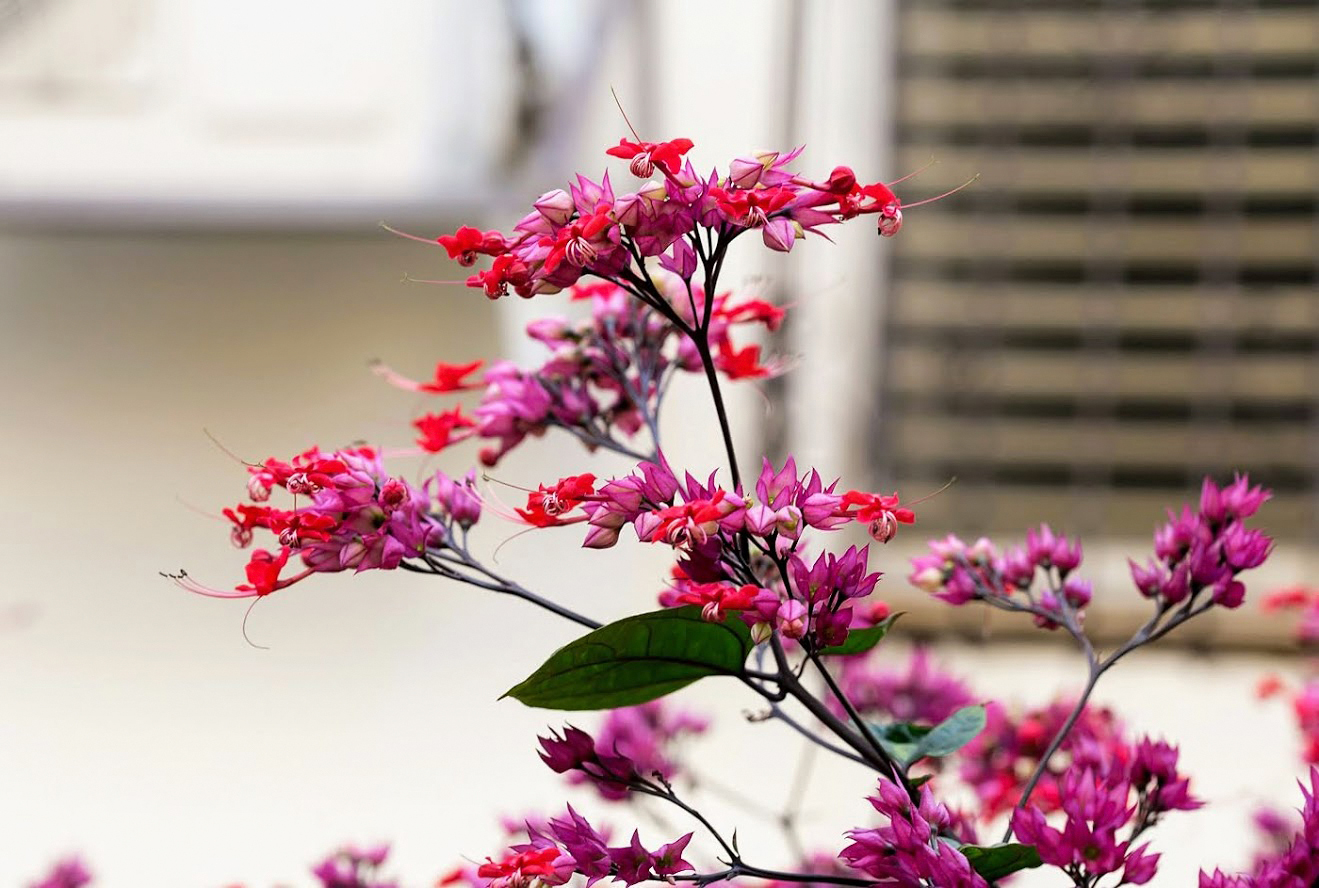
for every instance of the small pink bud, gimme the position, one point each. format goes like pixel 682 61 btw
pixel 630 209
pixel 929 579
pixel 780 234
pixel 556 206
pixel 792 619
pixel 600 538
pixel 745 173
pixel 393 493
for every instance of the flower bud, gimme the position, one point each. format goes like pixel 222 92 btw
pixel 556 206
pixel 780 234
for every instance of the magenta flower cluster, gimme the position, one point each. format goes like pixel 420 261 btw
pixel 1206 548
pixel 754 595
pixel 1294 865
pixel 632 748
pixel 1099 804
pixel 918 691
pixel 606 376
pixel 911 847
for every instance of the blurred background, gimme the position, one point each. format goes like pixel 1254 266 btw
pixel 189 198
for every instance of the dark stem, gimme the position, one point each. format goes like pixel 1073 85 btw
pixel 776 712
pixel 899 773
pixel 668 795
pixel 738 868
pixel 497 584
pixel 712 377
pixel 791 685
pixel 1096 671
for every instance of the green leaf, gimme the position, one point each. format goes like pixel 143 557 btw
pixel 909 743
pixel 993 862
pixel 859 641
pixel 636 659
pixel 952 733
pixel 900 740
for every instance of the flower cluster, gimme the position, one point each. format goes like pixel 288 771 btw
pixel 645 265
pixel 587 229
pixel 633 744
pixel 605 377
pixel 69 873
pixel 998 763
pixel 569 845
pixel 919 692
pixel 1294 865
pixel 1304 598
pixel 958 573
pixel 1206 548
pixel 354 516
pixel 911 847
pixel 1099 803
pixel 777 591
pixel 1197 550
pixel 352 867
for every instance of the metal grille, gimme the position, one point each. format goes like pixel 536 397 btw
pixel 1126 298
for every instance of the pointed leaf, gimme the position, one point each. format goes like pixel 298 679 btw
pixel 636 659
pixel 859 641
pixel 900 740
pixel 952 733
pixel 993 862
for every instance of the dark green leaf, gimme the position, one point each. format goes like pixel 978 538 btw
pixel 952 733
pixel 993 862
pixel 636 659
pixel 859 641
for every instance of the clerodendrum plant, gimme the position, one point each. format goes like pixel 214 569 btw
pixel 756 596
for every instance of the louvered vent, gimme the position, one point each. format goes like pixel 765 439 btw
pixel 1126 298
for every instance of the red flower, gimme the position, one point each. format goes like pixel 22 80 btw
pixel 645 156
pixel 503 272
pixel 578 244
pixel 527 864
pixel 716 598
pixel 466 243
pixel 263 572
pixel 546 506
pixel 882 513
pixel 437 429
pixel 752 207
pixel 741 363
pixel 448 378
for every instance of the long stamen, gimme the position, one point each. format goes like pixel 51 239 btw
pixel 942 196
pixel 409 279
pixel 951 482
pixel 389 375
pixel 424 240
pixel 485 476
pixel 613 93
pixel 914 173
pixel 246 614
pixel 229 453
